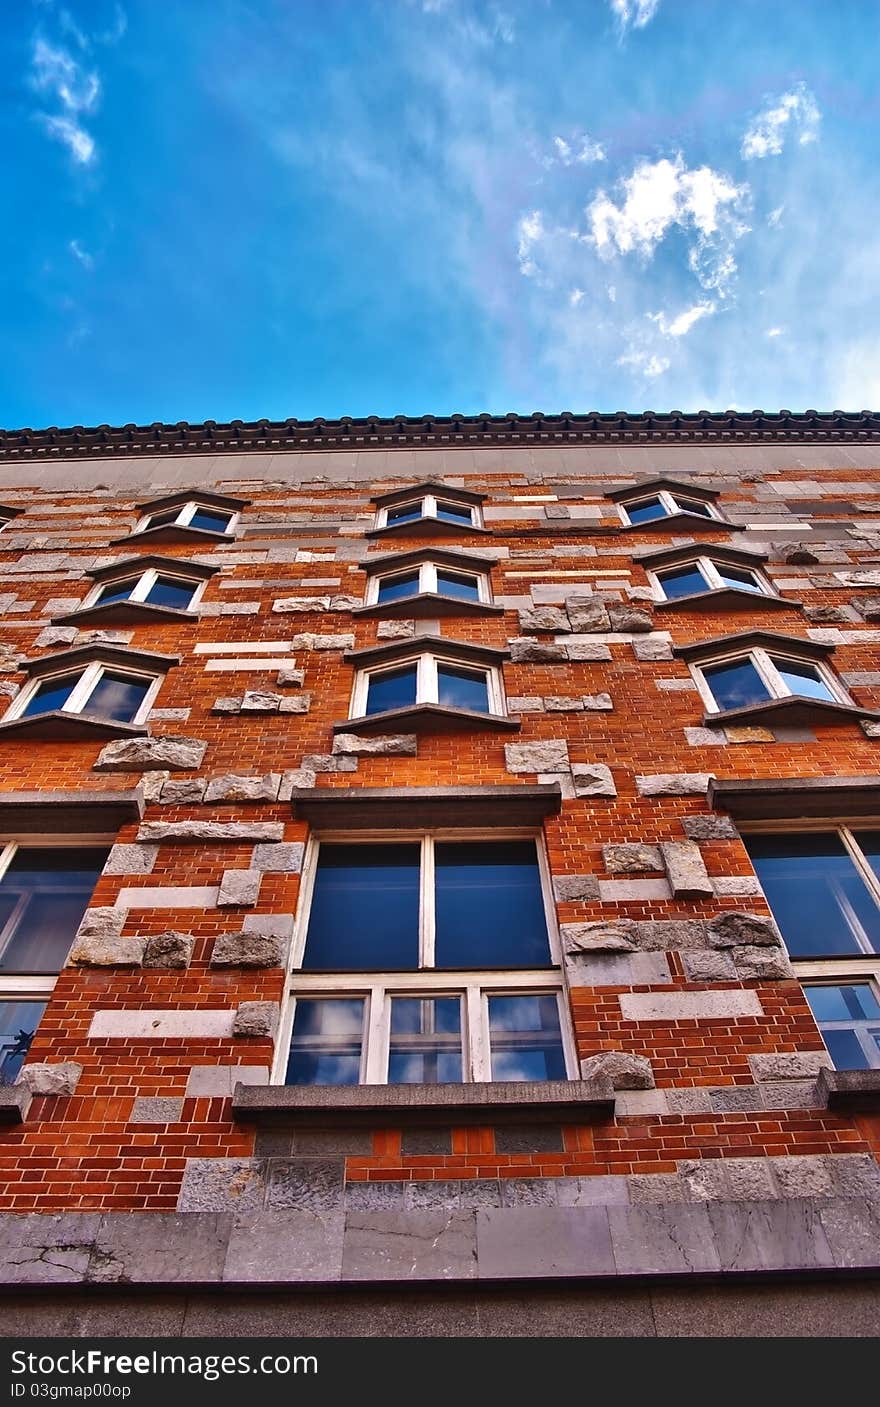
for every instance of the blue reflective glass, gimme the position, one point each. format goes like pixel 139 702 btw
pixel 692 505
pixel 645 512
pixel 817 895
pixel 845 1050
pixel 327 1041
pixel 465 588
pixel 453 513
pixel 117 696
pixel 462 688
pixel 160 520
pixel 405 513
pixel 210 520
pixel 489 905
pixel 736 685
pixel 397 588
pixel 524 1038
pixel 51 694
pixel 393 688
pixel 852 1002
pixel 733 576
pixel 685 581
pixel 365 909
pixel 117 591
pixel 869 843
pixel 425 1041
pixel 168 591
pixel 803 679
pixel 18 1021
pixel 43 896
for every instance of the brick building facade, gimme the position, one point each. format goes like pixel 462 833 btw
pixel 430 850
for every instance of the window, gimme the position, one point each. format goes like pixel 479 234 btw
pixel 4 523
pixel 705 574
pixel 823 888
pixel 759 675
pixel 428 578
pixel 663 504
pixel 152 588
pixel 44 892
pixel 97 691
pixel 425 960
pixel 191 515
pixel 849 1018
pixel 429 506
pixel 427 679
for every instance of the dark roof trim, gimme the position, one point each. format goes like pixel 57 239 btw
pixel 434 486
pixel 668 556
pixel 427 605
pixel 794 798
pixel 649 486
pixel 420 644
pixel 749 640
pixel 729 598
pixel 107 654
pixel 171 532
pixel 397 808
pixel 193 495
pixel 795 710
pixel 427 527
pixel 429 718
pixel 124 613
pixel 60 727
pixel 849 1091
pixel 128 566
pixel 368 432
pixel 445 556
pixel 81 812
pixel 693 522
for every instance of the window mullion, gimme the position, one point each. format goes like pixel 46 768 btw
pixel 374 1062
pixel 7 853
pixel 668 502
pixel 427 905
pixel 710 573
pixel 860 860
pixel 427 687
pixel 428 578
pixel 770 674
pixel 429 506
pixel 186 513
pixel 144 585
pixel 479 1061
pixel 83 690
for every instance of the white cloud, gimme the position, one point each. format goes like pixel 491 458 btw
pixel 77 140
pixel 56 72
pixel 681 325
pixel 775 216
pixel 773 332
pixel 766 134
pixel 575 297
pixel 634 13
pixel 612 293
pixel 647 363
pixel 529 233
pixel 579 150
pixel 80 254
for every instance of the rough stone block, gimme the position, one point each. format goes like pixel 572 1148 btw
pixel 586 651
pixel 685 869
pixel 689 1006
pixel 737 886
pixel 735 929
pixel 296 703
pixel 630 619
pixel 709 828
pixel 55 635
pixel 322 642
pixel 549 756
pixel 234 787
pixel 184 792
pixel 249 950
pixel 223 1185
pixel 708 965
pixel 239 888
pixel 525 650
pixel 669 934
pixel 654 648
pixel 291 677
pixel 260 701
pixel 156 1109
pixel 736 1099
pixel 688 1101
pixel 632 858
pixel 45 1078
pixel 603 936
pixel 586 615
pixel 146 754
pixel 389 745
pixel 301 778
pixel 525 703
pixel 556 703
pixel 395 629
pixel 789 1065
pixel 169 949
pixel 854 1174
pixel 869 607
pixel 597 703
pixel 803 1175
pixel 102 922
pixel 107 952
pixel 762 964
pixel 674 784
pixel 624 1069
pixel 329 762
pixel 286 858
pixel 546 618
pixel 568 888
pixel 297 604
pixel 226 704
pixel 705 737
pixel 131 859
pixel 219 832
pixel 826 615
pixel 593 779
pixel 256 1019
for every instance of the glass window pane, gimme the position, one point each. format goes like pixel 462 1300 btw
pixel 405 512
pixel 159 520
pixel 803 679
pixel 392 688
pixel 739 577
pixel 365 909
pixel 211 519
pixel 117 696
pixel 327 1041
pixel 818 898
pixel 736 684
pixel 846 1050
pixel 171 591
pixel 425 1042
pixel 646 511
pixel 869 843
pixel 462 688
pixel 397 588
pixel 18 1021
pixel 117 591
pixel 692 505
pixel 50 694
pixel 685 581
pixel 454 513
pixel 853 1002
pixel 524 1038
pixel 489 905
pixel 465 588
pixel 43 896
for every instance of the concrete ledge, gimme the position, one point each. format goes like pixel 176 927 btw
pixel 15 1100
pixel 363 808
pixel 855 1091
pixel 781 798
pixel 328 1105
pixel 429 718
pixel 78 811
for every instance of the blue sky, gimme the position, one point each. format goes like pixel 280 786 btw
pixel 241 208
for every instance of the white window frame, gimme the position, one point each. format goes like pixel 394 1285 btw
pixel 185 514
pixel 427 684
pixel 708 569
pixel 428 585
pixel 144 583
pixel 89 676
pixel 873 981
pixel 475 985
pixel 768 673
pixel 670 504
pixel 4 522
pixel 429 502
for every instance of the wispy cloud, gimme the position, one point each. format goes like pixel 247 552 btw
pixel 81 255
pixel 634 14
pixel 681 325
pixel 578 150
pixel 68 83
pixel 78 141
pixel 647 364
pixel 795 111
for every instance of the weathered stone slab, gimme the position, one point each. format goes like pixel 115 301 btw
pixel 256 1018
pixel 146 754
pixel 249 950
pixel 544 1242
pixel 789 1065
pixel 45 1078
pixel 549 756
pixel 709 828
pixel 593 779
pixel 735 929
pixel 525 650
pixel 389 745
pixel 568 888
pixel 217 832
pixel 674 784
pixel 169 949
pixel 586 614
pixel 762 964
pixel 106 952
pixel 632 858
pixel 410 1246
pixel 223 1185
pixel 708 965
pixel 685 869
pixel 237 787
pixel 286 858
pixel 285 1247
pixel 624 1069
pixel 602 936
pixel 630 620
pixel 547 618
pixel 689 1006
pixel 156 1109
pixel 653 648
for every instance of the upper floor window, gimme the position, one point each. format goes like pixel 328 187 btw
pixel 191 515
pixel 703 574
pixel 429 505
pixel 98 690
pixel 848 1015
pixel 151 588
pixel 427 578
pixel 823 888
pixel 427 679
pixel 663 504
pixel 760 675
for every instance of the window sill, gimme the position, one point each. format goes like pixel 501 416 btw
pixel 728 598
pixel 785 798
pixel 427 605
pixel 123 613
pixel 171 532
pixel 428 718
pixel 852 1091
pixel 695 522
pixel 571 1101
pixel 58 726
pixel 426 527
pixel 15 1101
pixel 794 711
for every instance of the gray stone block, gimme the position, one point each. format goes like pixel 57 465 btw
pixel 688 1101
pixel 297 604
pixel 762 964
pixel 557 703
pixel 326 762
pixel 417 1141
pixel 735 929
pixel 239 888
pixel 569 888
pixel 228 703
pixel 852 1230
pixel 761 1236
pixel 278 925
pixel 617 969
pixel 388 745
pixel 183 793
pixel 587 615
pixel 169 949
pixel 600 1190
pixel 410 1245
pixel 45 1078
pixel 789 1065
pixel 597 703
pixel 601 936
pixel 674 784
pixel 300 779
pixel 525 650
pixel 709 828
pixel 432 1196
pixel 145 754
pixel 632 858
pixel 689 1006
pixel 135 1249
pixel 395 629
pixel 731 1099
pixel 290 677
pixel 803 1175
pixel 234 787
pixel 322 642
pixel 854 1174
pixel 285 1247
pixel 708 965
pixel 256 1019
pixel 55 635
pixel 286 858
pixel 685 869
pixel 528 1191
pixel 669 935
pixel 662 1239
pixel 656 1189
pixel 375 1196
pixel 544 1243
pixel 704 737
pixel 790 1094
pixel 249 950
pixel 593 779
pixel 223 1185
pixel 219 1081
pixel 547 618
pixel 624 1069
pixel 525 703
pixel 260 701
pixel 296 703
pixel 102 922
pixel 217 832
pixel 586 652
pixel 652 648
pixel 131 859
pixel 45 1249
pixel 630 620
pixel 548 756
pixel 156 1109
pixel 826 615
pixel 106 952
pixel 306 1184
